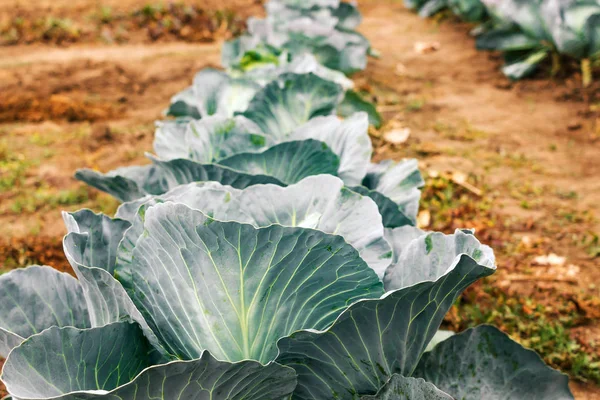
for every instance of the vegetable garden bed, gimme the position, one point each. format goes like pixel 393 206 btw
pixel 255 140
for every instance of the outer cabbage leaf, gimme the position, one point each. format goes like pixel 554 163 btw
pixel 104 362
pixel 348 139
pixel 300 4
pixel 435 250
pixel 169 138
pixel 374 339
pixel 389 183
pixel 348 16
pixel 318 202
pixel 287 162
pixel 391 213
pixel 292 100
pixel 468 10
pixel 399 387
pixel 184 104
pixel 506 39
pixel 131 183
pixel 208 140
pixel 301 64
pixel 104 234
pixel 35 298
pixel 353 103
pixel 399 181
pixel 91 248
pixel 484 363
pixel 67 360
pixel 236 297
pixel 575 26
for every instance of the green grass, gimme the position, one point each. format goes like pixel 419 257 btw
pixel 415 105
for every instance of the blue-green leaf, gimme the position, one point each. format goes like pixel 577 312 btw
pixel 399 387
pixel 287 162
pixel 484 363
pixel 292 100
pixel 131 183
pixel 35 298
pixel 103 363
pixel 348 139
pixel 104 234
pixel 208 140
pixel 391 213
pixel 434 252
pixel 234 289
pixel 353 103
pixel 317 202
pixel 60 362
pixel 375 339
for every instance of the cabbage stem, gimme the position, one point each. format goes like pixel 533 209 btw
pixel 586 72
pixel 556 65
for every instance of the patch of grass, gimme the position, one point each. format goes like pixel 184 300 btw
pixel 452 206
pixel 40 139
pixel 545 329
pixel 464 132
pixel 13 168
pixel 47 198
pixel 106 204
pixel 105 15
pixel 415 105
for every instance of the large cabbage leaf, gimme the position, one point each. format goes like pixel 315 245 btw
pixel 318 202
pixel 213 93
pixel 234 289
pixel 348 139
pixel 292 100
pixel 374 339
pixel 395 187
pixel 207 140
pixel 112 362
pixel 288 162
pixel 36 298
pixel 484 363
pixel 399 387
pixel 215 138
pixel 130 183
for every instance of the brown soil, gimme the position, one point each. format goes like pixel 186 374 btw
pixel 531 147
pixel 134 21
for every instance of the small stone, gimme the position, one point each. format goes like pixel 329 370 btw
pixel 427 47
pixel 397 136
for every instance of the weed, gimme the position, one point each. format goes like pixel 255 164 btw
pixel 415 105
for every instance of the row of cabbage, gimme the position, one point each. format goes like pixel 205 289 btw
pixel 262 255
pixel 529 32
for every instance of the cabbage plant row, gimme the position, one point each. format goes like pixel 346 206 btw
pixel 261 255
pixel 530 31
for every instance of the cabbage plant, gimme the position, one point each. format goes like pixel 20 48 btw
pixel 327 32
pixel 528 32
pixel 260 293
pixel 468 10
pixel 227 150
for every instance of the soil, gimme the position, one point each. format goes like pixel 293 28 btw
pixel 529 150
